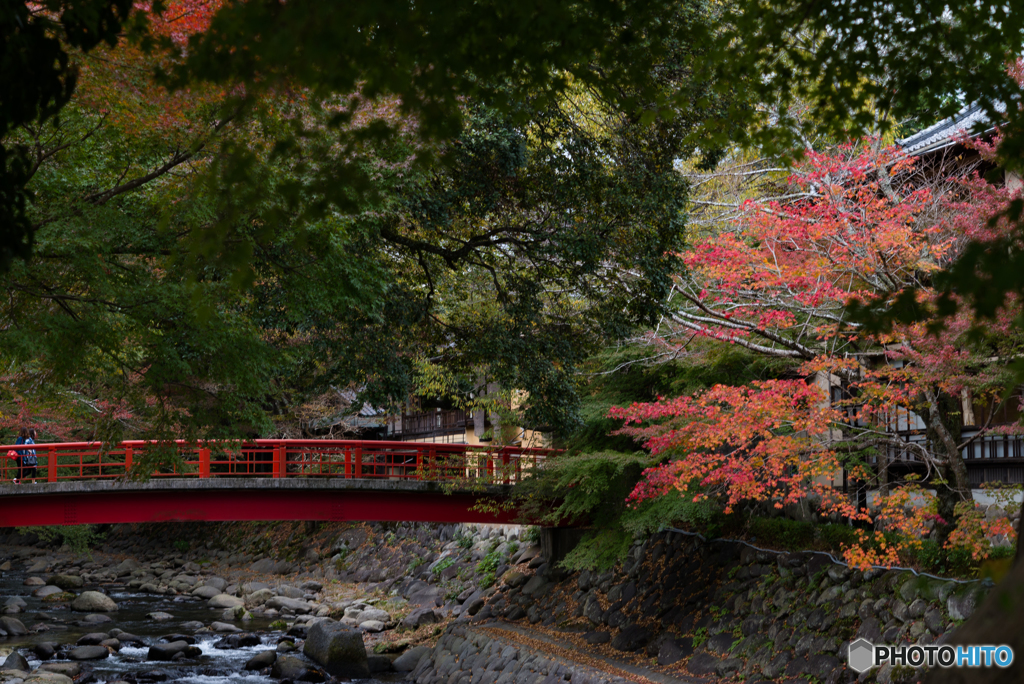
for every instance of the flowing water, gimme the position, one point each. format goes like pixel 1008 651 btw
pixel 214 666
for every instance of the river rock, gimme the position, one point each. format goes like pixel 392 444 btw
pixel 44 677
pixel 127 567
pixel 34 582
pixel 15 661
pixel 13 626
pixel 159 617
pixel 92 639
pixel 67 669
pixel 225 601
pixel 294 605
pixel 216 583
pixel 16 601
pixel 339 649
pixel 252 587
pixel 96 618
pixel 271 567
pixel 261 660
pixel 67 582
pixel 371 626
pixel 93 602
pixel 44 650
pixel 223 627
pixel 88 653
pixel 166 651
pixel 408 661
pixel 47 590
pixel 374 614
pixel 206 592
pixel 259 597
pixel 289 591
pixel 288 667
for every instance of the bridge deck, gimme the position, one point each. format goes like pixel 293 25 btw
pixel 82 502
pixel 79 483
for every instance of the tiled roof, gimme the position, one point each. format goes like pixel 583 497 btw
pixel 948 131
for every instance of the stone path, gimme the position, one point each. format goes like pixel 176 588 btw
pixel 567 651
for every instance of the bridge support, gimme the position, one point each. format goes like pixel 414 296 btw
pixel 557 542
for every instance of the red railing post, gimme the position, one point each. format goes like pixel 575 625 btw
pixel 277 461
pixel 51 465
pixel 204 462
pixel 359 461
pixel 419 463
pixel 129 452
pixel 348 462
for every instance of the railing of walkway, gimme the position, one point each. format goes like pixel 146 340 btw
pixel 283 458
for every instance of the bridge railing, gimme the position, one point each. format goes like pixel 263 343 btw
pixel 283 458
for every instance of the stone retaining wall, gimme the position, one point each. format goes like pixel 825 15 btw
pixel 464 656
pixel 723 609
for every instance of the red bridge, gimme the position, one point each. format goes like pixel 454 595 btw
pixel 90 482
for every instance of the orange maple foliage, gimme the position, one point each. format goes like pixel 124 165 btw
pixel 859 224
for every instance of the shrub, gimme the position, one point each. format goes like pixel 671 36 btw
pixel 78 538
pixel 791 534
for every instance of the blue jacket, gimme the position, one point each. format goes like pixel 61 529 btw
pixel 26 452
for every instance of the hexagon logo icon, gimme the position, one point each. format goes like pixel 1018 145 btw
pixel 861 656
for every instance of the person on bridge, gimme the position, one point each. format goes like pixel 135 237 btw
pixel 19 460
pixel 29 461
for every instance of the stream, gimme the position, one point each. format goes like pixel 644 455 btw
pixel 57 624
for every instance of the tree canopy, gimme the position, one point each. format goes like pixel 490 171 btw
pixel 856 222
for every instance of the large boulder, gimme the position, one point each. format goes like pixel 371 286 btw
pixel 13 626
pixel 93 602
pixel 261 660
pixel 225 601
pixel 15 661
pixel 339 649
pixel 408 661
pixel 288 667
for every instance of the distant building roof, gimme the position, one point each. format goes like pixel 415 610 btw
pixel 949 131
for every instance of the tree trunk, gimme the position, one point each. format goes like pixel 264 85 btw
pixel 1016 556
pixel 952 469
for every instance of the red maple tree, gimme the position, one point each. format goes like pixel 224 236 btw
pixel 858 224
